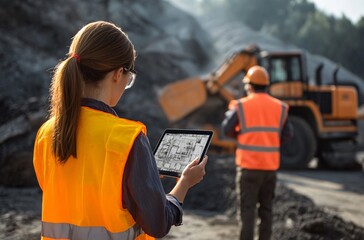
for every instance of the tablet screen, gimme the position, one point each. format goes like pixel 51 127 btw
pixel 178 147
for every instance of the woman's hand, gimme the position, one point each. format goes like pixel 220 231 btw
pixel 194 172
pixel 191 175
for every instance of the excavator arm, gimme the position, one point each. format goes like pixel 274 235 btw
pixel 239 62
pixel 182 97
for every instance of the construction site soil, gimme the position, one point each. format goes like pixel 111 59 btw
pixel 210 211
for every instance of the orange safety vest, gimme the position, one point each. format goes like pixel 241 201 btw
pixel 261 119
pixel 82 199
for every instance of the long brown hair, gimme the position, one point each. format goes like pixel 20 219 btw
pixel 98 48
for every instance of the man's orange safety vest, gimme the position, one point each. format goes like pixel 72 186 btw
pixel 261 119
pixel 82 199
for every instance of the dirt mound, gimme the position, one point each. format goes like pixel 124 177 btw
pixel 297 217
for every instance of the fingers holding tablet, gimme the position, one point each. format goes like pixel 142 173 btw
pixel 194 172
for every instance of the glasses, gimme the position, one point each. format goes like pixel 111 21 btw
pixel 132 76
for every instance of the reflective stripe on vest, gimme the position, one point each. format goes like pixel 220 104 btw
pixel 258 148
pixel 262 154
pixel 69 231
pixel 244 129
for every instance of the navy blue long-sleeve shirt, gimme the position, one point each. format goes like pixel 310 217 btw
pixel 143 194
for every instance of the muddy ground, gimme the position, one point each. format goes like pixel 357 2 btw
pixel 210 207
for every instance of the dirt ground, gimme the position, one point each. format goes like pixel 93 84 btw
pixel 312 204
pixel 20 210
pixel 337 192
pixel 316 204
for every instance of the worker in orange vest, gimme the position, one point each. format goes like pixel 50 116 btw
pixel 97 171
pixel 258 122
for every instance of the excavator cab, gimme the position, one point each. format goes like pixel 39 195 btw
pixel 286 74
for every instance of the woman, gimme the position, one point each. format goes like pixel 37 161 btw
pixel 97 171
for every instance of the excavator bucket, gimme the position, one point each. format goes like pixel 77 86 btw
pixel 181 98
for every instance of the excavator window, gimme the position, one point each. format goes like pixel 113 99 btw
pixel 295 69
pixel 278 70
pixel 283 69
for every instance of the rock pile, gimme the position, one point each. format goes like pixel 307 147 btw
pixel 34 36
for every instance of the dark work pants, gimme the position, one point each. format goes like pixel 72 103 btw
pixel 255 190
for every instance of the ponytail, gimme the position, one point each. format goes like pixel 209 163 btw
pixel 98 48
pixel 66 93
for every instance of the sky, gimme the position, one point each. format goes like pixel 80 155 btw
pixel 353 9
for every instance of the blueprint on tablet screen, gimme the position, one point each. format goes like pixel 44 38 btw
pixel 176 151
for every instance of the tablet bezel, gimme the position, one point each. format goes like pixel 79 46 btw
pixel 184 131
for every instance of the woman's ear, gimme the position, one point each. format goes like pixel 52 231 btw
pixel 117 74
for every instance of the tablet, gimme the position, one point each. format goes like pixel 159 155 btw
pixel 178 147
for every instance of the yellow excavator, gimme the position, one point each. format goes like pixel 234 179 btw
pixel 324 117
